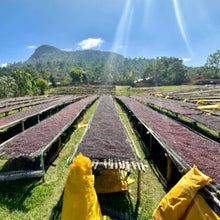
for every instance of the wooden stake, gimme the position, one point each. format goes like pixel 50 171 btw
pixel 169 169
pixel 22 125
pixel 38 118
pixel 139 187
pixel 151 142
pixel 43 169
pixel 59 144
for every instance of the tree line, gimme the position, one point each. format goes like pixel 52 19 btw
pixel 32 78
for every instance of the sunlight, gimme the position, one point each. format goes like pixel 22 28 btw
pixel 123 28
pixel 121 37
pixel 180 24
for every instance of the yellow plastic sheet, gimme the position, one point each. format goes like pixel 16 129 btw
pixel 175 203
pixel 201 102
pixel 110 181
pixel 159 95
pixel 199 210
pixel 82 125
pixel 80 200
pixel 209 107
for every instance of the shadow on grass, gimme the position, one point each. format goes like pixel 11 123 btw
pixel 56 212
pixel 14 193
pixel 118 206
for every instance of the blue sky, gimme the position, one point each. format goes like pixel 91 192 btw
pixel 187 29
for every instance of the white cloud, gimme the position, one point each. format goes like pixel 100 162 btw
pixel 186 59
pixel 4 65
pixel 91 43
pixel 66 49
pixel 31 47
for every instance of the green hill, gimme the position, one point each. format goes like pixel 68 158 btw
pixel 98 65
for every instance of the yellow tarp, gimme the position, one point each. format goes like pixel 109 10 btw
pixel 158 95
pixel 80 200
pixel 175 203
pixel 110 181
pixel 199 210
pixel 209 107
pixel 82 125
pixel 201 102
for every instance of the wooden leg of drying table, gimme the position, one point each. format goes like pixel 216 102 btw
pixel 139 187
pixel 43 170
pixel 22 125
pixel 169 170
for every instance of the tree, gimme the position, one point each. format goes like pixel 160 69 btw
pixel 177 73
pixel 23 82
pixel 66 80
pixel 77 74
pixel 42 84
pixel 52 80
pixel 213 62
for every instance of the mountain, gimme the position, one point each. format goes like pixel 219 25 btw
pixel 98 65
pixel 47 53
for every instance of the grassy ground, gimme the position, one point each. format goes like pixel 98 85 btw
pixel 32 199
pixel 152 190
pixel 127 90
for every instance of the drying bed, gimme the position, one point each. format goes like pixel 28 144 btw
pixel 23 115
pixel 9 101
pixel 172 105
pixel 20 102
pixel 26 104
pixel 32 141
pixel 209 121
pixel 190 146
pixel 106 137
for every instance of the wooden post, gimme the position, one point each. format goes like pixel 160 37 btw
pixel 59 144
pixel 22 125
pixel 43 168
pixel 139 187
pixel 38 118
pixel 169 170
pixel 151 142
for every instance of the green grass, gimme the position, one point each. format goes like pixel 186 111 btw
pixel 128 90
pixel 32 199
pixel 152 190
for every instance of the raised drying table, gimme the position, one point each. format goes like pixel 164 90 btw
pixel 42 142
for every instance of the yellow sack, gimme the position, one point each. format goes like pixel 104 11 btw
pixel 167 97
pixel 80 200
pixel 110 181
pixel 185 100
pixel 209 107
pixel 176 201
pixel 200 210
